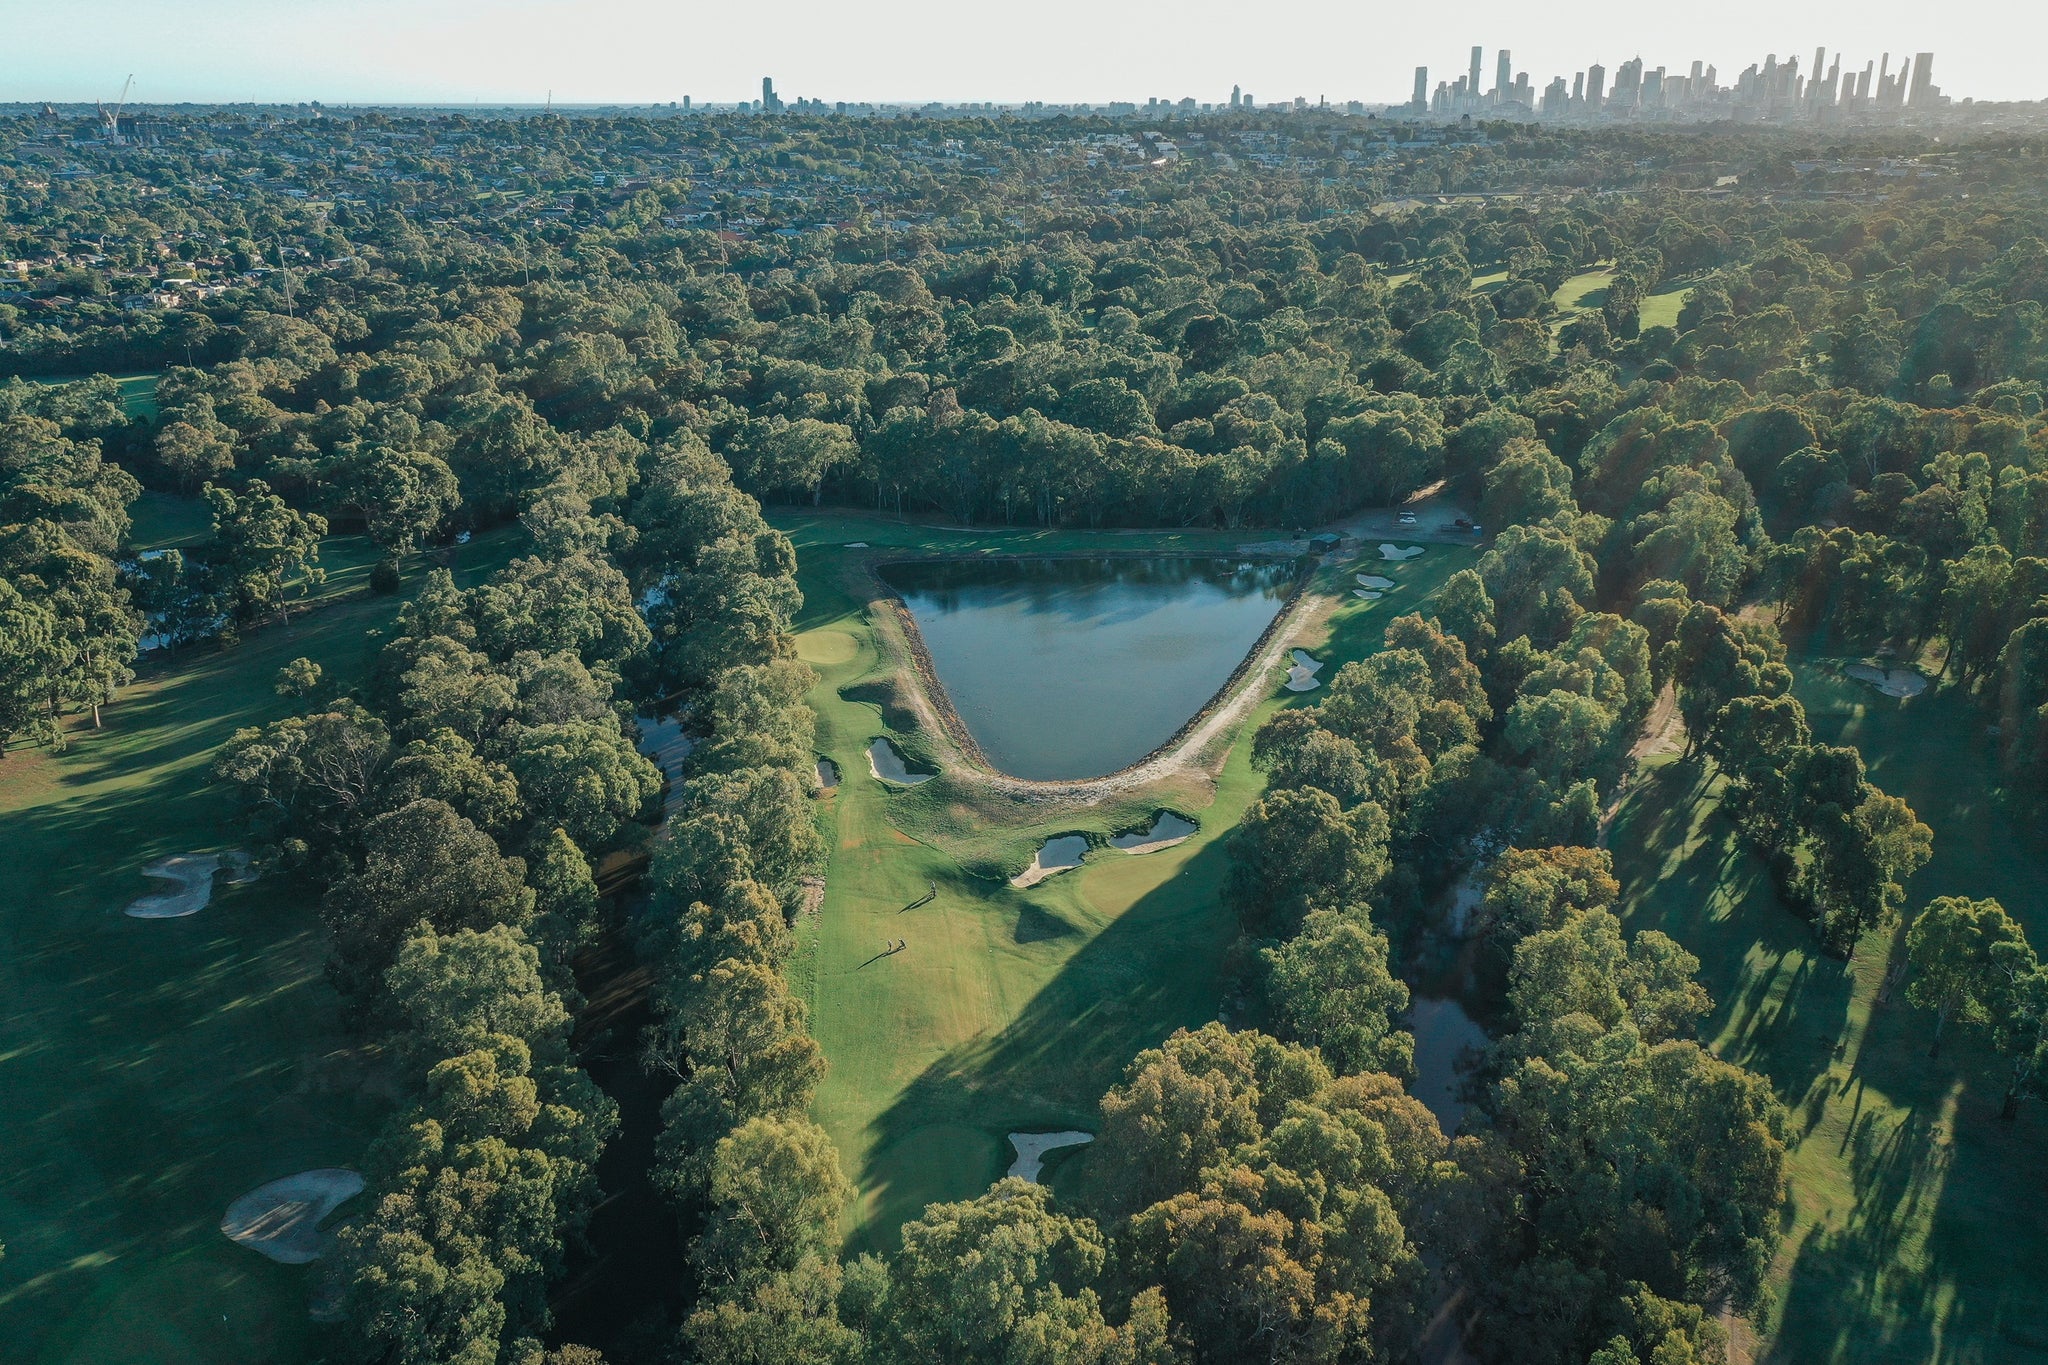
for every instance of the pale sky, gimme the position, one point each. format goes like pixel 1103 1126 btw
pixel 643 51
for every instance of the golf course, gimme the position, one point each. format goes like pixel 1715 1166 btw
pixel 156 1070
pixel 1010 1009
pixel 1906 1236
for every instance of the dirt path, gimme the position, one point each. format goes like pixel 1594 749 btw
pixel 1663 732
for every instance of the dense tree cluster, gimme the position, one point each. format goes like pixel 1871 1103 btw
pixel 1840 439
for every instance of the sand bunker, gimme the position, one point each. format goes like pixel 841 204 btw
pixel 855 545
pixel 1893 682
pixel 828 774
pixel 1054 856
pixel 887 765
pixel 1373 580
pixel 1167 830
pixel 193 874
pixel 282 1219
pixel 1032 1147
pixel 1301 677
pixel 1397 553
pixel 1367 594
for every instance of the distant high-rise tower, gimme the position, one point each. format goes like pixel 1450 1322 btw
pixel 1236 96
pixel 1579 88
pixel 1420 101
pixel 771 103
pixel 1596 85
pixel 1923 92
pixel 1503 74
pixel 1472 81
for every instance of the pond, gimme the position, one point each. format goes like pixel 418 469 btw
pixel 1073 668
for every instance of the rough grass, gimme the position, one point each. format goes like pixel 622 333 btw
pixel 1009 1009
pixel 1916 1224
pixel 151 1072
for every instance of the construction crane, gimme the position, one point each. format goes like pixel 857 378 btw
pixel 112 122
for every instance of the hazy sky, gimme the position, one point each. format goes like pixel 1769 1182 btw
pixel 642 51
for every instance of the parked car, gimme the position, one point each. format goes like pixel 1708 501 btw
pixel 1406 519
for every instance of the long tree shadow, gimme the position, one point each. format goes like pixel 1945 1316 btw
pixel 1151 970
pixel 1779 1006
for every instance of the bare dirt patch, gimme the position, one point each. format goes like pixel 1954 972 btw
pixel 282 1219
pixel 192 877
pixel 1893 682
pixel 1167 830
pixel 1054 856
pixel 887 765
pixel 1032 1147
pixel 1301 677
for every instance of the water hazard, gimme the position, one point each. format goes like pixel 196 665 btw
pixel 1072 668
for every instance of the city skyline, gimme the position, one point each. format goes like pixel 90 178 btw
pixel 915 51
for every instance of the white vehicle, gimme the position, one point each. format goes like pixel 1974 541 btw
pixel 1406 519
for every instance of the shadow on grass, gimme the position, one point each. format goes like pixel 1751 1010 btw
pixel 1153 969
pixel 1779 1006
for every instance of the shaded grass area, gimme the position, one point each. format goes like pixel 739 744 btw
pixel 163 521
pixel 166 520
pixel 1916 1224
pixel 138 391
pixel 152 1071
pixel 1008 1010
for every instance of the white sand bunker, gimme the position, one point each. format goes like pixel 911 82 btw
pixel 828 774
pixel 1373 580
pixel 1167 830
pixel 1397 553
pixel 1032 1147
pixel 1367 594
pixel 282 1219
pixel 193 876
pixel 1054 856
pixel 1301 677
pixel 888 766
pixel 1893 682
pixel 855 545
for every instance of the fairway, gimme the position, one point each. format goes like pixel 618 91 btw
pixel 1007 1009
pixel 1916 1225
pixel 153 1071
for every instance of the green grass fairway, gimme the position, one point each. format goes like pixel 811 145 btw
pixel 151 1071
pixel 1917 1224
pixel 1009 1009
pixel 1588 289
pixel 1661 308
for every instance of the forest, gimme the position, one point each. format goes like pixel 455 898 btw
pixel 1708 431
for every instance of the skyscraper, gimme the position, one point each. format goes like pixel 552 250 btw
pixel 1923 92
pixel 1472 81
pixel 1421 97
pixel 1236 96
pixel 771 103
pixel 1503 74
pixel 1596 85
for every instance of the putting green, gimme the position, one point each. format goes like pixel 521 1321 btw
pixel 821 647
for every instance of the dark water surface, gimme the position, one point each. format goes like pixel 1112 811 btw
pixel 1069 668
